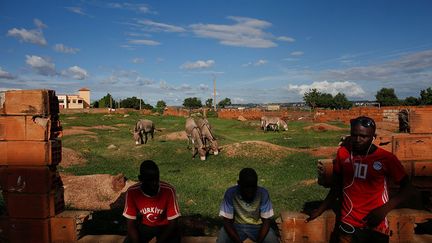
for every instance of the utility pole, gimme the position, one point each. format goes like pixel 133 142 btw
pixel 140 99
pixel 214 92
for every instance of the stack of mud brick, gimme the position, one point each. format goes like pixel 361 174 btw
pixel 414 150
pixel 30 151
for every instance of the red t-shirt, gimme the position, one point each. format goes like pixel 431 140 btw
pixel 155 211
pixel 365 181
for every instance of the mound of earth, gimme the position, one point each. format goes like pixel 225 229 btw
pixel 256 149
pixel 326 152
pixel 71 157
pixel 261 149
pixel 95 192
pixel 174 136
pixel 322 127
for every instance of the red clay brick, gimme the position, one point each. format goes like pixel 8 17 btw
pixel 420 121
pixel 295 229
pixel 34 205
pixel 63 229
pixel 29 179
pixel 412 147
pixel 26 230
pixel 29 102
pixel 29 128
pixel 30 153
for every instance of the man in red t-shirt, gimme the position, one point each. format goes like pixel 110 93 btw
pixel 360 180
pixel 151 208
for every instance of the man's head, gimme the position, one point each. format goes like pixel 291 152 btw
pixel 248 183
pixel 149 177
pixel 362 133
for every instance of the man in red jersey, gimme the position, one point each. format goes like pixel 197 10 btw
pixel 360 180
pixel 151 208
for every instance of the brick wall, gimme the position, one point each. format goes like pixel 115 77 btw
pixel 382 114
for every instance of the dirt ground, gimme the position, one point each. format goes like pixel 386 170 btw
pixel 322 127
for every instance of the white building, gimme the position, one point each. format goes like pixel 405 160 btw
pixel 75 101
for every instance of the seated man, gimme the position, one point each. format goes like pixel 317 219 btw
pixel 247 211
pixel 151 208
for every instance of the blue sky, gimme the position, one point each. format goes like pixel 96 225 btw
pixel 257 51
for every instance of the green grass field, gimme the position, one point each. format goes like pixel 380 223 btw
pixel 201 184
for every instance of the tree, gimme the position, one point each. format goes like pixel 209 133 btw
pixel 107 102
pixel 192 103
pixel 95 104
pixel 387 97
pixel 133 102
pixel 224 102
pixel 426 96
pixel 341 102
pixel 311 98
pixel 411 101
pixel 209 103
pixel 160 106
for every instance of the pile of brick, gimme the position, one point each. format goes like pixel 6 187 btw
pixel 30 151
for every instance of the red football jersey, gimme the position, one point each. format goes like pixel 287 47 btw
pixel 156 210
pixel 365 181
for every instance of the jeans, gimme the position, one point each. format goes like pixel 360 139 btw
pixel 247 231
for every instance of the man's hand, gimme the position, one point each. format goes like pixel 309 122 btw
pixel 313 215
pixel 376 216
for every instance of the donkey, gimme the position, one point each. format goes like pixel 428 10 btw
pixel 207 134
pixel 274 123
pixel 195 138
pixel 143 127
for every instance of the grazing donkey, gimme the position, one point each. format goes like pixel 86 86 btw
pixel 207 134
pixel 143 127
pixel 195 138
pixel 275 123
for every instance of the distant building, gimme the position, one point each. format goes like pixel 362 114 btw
pixel 273 107
pixel 75 101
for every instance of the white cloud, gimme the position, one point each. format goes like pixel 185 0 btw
pixel 414 67
pixel 246 32
pixel 296 53
pixel 198 64
pixel 64 49
pixel 350 89
pixel 285 38
pixel 256 63
pixel 160 27
pixel 34 36
pixel 144 42
pixel 203 87
pixel 75 72
pixel 77 10
pixel 41 65
pixel 142 8
pixel 39 24
pixel 137 60
pixel 5 75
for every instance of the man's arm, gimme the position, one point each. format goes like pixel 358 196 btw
pixel 231 231
pixel 265 227
pixel 170 231
pixel 378 214
pixel 132 230
pixel 331 197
